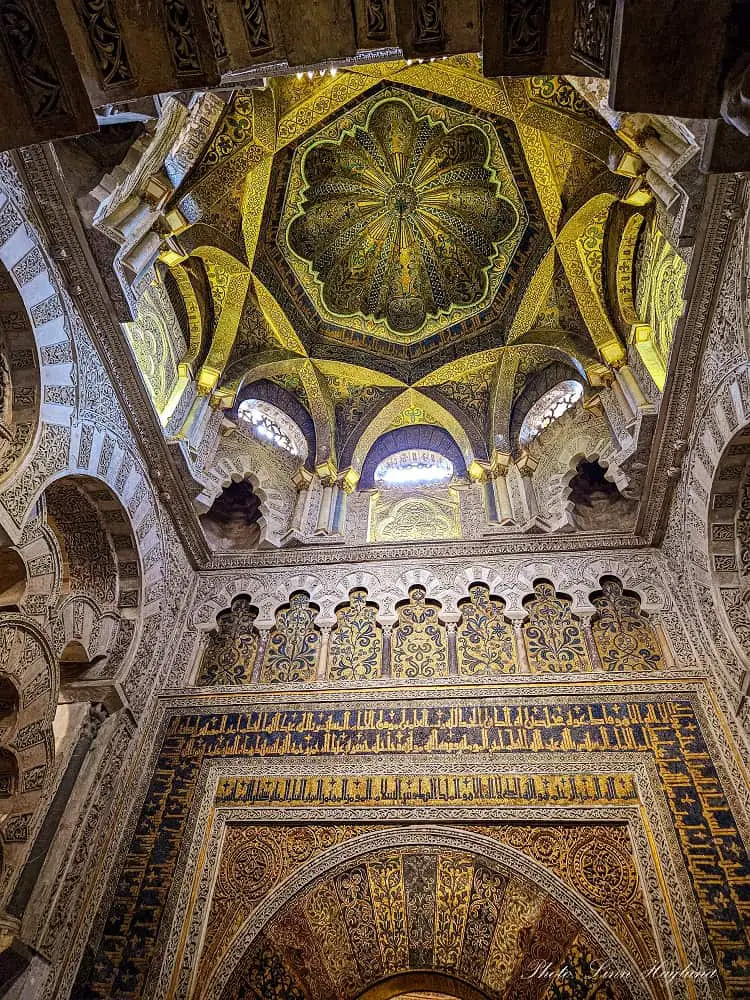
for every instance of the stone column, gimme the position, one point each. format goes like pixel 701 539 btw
pixel 503 505
pixel 596 663
pixel 526 466
pixel 386 664
pixel 632 391
pixel 325 639
pixel 92 723
pixel 302 480
pixel 522 659
pixel 622 400
pixel 194 421
pixel 450 630
pixel 488 499
pixel 260 653
pixel 326 506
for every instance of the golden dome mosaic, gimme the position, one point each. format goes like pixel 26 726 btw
pixel 402 223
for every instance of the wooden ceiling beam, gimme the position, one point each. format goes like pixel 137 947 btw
pixel 669 58
pixel 123 54
pixel 43 94
pixel 546 37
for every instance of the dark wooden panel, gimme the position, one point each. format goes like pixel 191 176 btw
pixel 125 51
pixel 43 95
pixel 252 32
pixel 316 30
pixel 667 58
pixel 727 150
pixel 547 37
pixel 376 24
pixel 438 27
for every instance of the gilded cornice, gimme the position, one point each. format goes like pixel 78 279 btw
pixel 510 543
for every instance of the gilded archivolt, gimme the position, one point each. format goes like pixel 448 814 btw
pixel 395 910
pixel 409 890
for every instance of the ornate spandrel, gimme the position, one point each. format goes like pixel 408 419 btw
pixel 429 514
pixel 624 637
pixel 553 636
pixel 356 645
pixel 420 647
pixel 230 655
pixel 294 642
pixel 484 635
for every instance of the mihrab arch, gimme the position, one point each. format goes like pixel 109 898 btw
pixel 404 908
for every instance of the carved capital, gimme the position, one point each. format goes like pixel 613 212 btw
pixel 526 465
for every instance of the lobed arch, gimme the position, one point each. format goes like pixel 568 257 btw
pixel 276 496
pixel 571 438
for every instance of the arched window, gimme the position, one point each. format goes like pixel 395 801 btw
pixel 413 467
pixel 271 425
pixel 549 407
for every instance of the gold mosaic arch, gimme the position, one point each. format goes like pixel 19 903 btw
pixel 330 910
